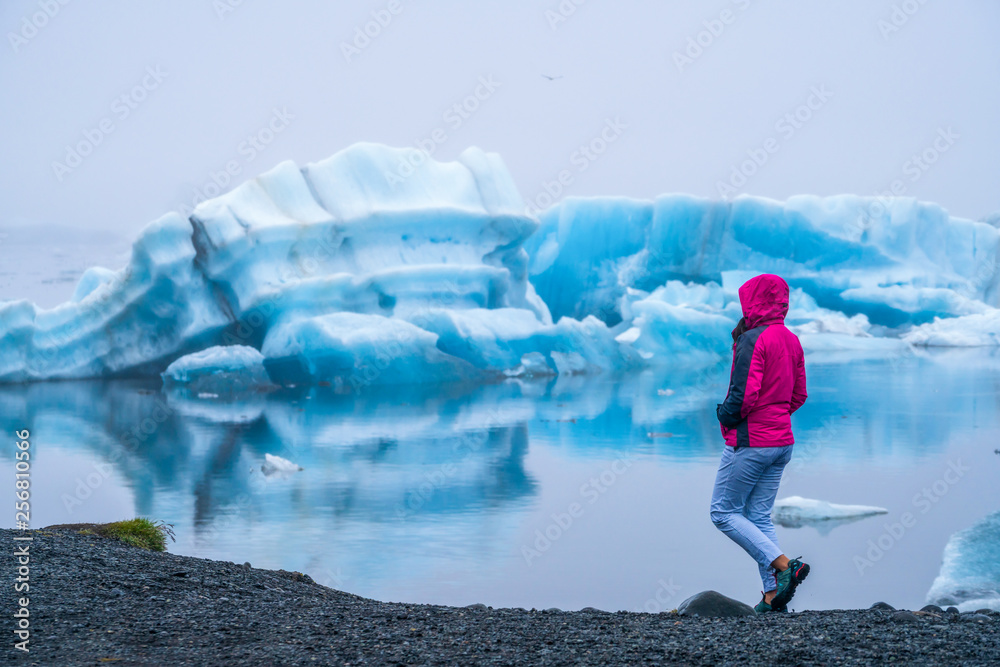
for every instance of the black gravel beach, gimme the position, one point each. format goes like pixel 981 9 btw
pixel 96 601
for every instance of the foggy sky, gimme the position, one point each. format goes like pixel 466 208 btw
pixel 175 91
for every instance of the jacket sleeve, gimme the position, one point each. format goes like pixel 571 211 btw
pixel 799 394
pixel 744 383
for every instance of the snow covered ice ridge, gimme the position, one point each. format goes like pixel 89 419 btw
pixel 344 271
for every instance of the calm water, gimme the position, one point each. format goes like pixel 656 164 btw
pixel 429 495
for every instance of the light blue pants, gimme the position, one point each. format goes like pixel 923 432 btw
pixel 745 488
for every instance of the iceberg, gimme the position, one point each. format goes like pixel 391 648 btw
pixel 353 350
pixel 347 272
pixel 970 573
pixel 153 311
pixel 898 262
pixel 276 255
pixel 979 330
pixel 218 371
pixel 679 321
pixel 275 465
pixel 796 511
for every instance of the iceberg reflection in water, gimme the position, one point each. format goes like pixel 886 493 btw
pixel 431 493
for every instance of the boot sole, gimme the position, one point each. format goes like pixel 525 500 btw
pixel 781 600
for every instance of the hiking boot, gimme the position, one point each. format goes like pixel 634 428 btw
pixel 788 581
pixel 763 607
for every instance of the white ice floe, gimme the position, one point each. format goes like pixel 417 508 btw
pixel 275 465
pixel 796 511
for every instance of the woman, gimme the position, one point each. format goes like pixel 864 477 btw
pixel 767 384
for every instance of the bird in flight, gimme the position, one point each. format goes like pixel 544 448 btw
pixel 552 78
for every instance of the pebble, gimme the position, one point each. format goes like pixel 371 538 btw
pixel 905 617
pixel 712 604
pixel 976 617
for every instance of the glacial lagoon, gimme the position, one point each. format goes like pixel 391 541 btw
pixel 563 492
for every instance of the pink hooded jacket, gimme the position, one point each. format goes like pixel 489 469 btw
pixel 768 378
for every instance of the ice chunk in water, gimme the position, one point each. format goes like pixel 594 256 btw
pixel 218 371
pixel 275 465
pixel 970 573
pixel 796 511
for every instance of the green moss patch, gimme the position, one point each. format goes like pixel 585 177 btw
pixel 138 532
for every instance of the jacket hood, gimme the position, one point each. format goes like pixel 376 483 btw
pixel 764 299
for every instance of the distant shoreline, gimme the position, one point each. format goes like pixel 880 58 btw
pixel 94 598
